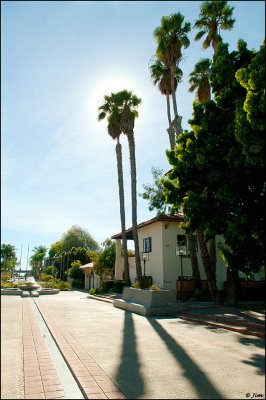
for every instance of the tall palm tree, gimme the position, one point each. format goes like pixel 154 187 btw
pixel 200 80
pixel 128 104
pixel 110 110
pixel 214 16
pixel 171 37
pixel 161 76
pixel 36 259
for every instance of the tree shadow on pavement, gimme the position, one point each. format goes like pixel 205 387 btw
pixel 192 372
pixel 257 361
pixel 128 376
pixel 252 341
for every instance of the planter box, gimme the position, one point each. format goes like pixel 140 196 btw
pixel 149 302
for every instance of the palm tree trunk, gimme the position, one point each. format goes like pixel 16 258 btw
pixel 172 72
pixel 122 210
pixel 210 273
pixel 131 143
pixel 170 129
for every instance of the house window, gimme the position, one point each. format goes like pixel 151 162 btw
pixel 182 241
pixel 147 245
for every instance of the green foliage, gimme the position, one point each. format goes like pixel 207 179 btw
pixel 155 287
pixel 106 286
pixel 250 117
pixel 92 291
pixel 49 270
pixel 214 16
pixel 75 272
pixel 78 283
pixel 46 278
pixel 171 36
pixel 55 250
pixel 5 276
pixel 136 285
pixel 8 257
pixel 63 262
pixel 49 284
pixel 105 260
pixel 119 286
pixel 221 192
pixel 154 193
pixel 78 237
pixel 7 285
pixel 62 285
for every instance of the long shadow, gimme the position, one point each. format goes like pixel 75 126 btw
pixel 198 379
pixel 128 376
pixel 257 361
pixel 252 341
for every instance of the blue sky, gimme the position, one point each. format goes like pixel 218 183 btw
pixel 59 58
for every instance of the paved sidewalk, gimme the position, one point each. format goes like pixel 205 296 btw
pixel 94 382
pixel 117 355
pixel 226 317
pixel 40 376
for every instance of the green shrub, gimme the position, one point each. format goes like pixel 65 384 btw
pixel 98 291
pixel 49 284
pixel 5 276
pixel 155 287
pixel 112 290
pixel 78 284
pixel 46 278
pixel 106 286
pixel 63 285
pixel 49 270
pixel 8 285
pixel 92 291
pixel 119 286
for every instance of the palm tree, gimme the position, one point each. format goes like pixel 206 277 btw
pixel 110 109
pixel 128 104
pixel 8 256
pixel 171 36
pixel 214 16
pixel 36 259
pixel 200 80
pixel 161 76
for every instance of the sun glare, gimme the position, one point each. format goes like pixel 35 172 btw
pixel 113 84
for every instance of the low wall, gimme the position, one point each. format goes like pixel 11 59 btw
pixel 149 302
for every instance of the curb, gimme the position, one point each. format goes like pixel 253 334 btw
pixel 223 326
pixel 226 321
pixel 105 299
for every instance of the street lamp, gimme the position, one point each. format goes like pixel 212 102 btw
pixel 181 250
pixel 145 257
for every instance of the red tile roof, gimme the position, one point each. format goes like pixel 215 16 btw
pixel 158 218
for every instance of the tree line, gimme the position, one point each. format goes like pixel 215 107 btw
pixel 217 176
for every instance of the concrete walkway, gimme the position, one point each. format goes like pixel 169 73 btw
pixel 117 355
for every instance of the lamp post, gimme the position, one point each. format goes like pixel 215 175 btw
pixel 145 257
pixel 181 251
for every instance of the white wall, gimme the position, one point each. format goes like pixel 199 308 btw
pixel 164 265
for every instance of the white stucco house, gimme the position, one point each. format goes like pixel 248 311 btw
pixel 158 237
pixel 92 280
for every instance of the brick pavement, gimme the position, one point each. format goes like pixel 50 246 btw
pixel 93 381
pixel 40 376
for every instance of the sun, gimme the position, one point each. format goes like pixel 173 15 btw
pixel 114 83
